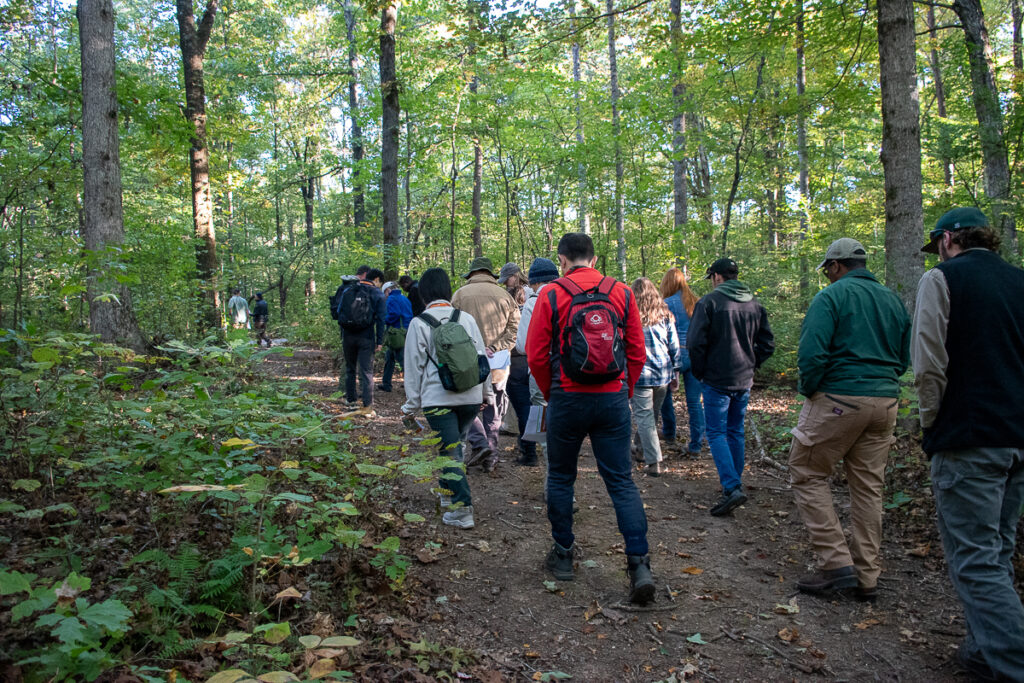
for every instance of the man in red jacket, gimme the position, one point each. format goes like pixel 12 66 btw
pixel 588 400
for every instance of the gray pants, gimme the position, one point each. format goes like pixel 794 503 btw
pixel 645 404
pixel 483 433
pixel 979 494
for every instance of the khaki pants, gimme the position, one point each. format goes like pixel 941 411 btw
pixel 857 430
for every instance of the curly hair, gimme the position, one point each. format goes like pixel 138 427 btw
pixel 972 238
pixel 674 282
pixel 652 308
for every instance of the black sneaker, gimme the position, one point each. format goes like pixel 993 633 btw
pixel 381 387
pixel 729 501
pixel 641 583
pixel 828 581
pixel 559 563
pixel 527 460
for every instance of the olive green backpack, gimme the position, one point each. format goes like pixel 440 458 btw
pixel 458 364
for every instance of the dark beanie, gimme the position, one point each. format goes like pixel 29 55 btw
pixel 543 270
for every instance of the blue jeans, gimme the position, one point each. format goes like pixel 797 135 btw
pixel 393 356
pixel 725 411
pixel 452 423
pixel 698 428
pixel 605 418
pixel 979 493
pixel 518 390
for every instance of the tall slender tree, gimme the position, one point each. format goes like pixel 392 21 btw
pixel 358 210
pixel 901 148
pixel 581 169
pixel 613 69
pixel 679 194
pixel 804 184
pixel 110 303
pixel 477 10
pixel 389 138
pixel 193 41
pixel 940 99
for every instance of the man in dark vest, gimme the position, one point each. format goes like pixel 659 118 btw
pixel 967 350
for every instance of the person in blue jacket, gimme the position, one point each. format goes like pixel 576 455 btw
pixel 681 300
pixel 396 322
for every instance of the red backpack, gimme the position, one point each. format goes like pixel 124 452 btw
pixel 591 348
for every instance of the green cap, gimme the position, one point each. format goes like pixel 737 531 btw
pixel 480 263
pixel 842 249
pixel 951 221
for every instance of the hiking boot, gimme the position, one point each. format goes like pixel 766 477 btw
pixel 381 387
pixel 729 501
pixel 479 457
pixel 351 403
pixel 641 583
pixel 973 662
pixel 637 452
pixel 527 460
pixel 559 562
pixel 862 594
pixel 460 517
pixel 666 437
pixel 654 469
pixel 828 581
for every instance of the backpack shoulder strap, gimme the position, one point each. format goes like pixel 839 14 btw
pixel 455 316
pixel 569 286
pixel 429 319
pixel 606 285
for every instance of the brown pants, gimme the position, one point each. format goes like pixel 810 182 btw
pixel 857 430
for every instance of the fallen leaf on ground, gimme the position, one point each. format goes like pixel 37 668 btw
pixel 789 634
pixel 289 592
pixel 921 550
pixel 321 668
pixel 693 570
pixel 789 608
pixel 614 616
pixel 591 611
pixel 697 639
pixel 425 556
pixel 867 623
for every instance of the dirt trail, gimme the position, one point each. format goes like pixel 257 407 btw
pixel 726 608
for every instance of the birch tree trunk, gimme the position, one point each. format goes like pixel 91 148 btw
pixel 389 139
pixel 901 148
pixel 193 42
pixel 110 304
pixel 620 225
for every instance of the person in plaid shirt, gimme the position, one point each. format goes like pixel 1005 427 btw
pixel 660 371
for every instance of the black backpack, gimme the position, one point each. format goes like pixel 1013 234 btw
pixel 335 299
pixel 355 313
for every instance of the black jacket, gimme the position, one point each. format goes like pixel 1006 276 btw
pixel 729 337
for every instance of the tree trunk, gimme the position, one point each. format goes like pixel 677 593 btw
pixel 193 42
pixel 679 195
pixel 901 148
pixel 613 69
pixel 1018 49
pixel 476 11
pixel 801 152
pixel 389 139
pixel 940 100
pixel 408 190
pixel 358 209
pixel 581 169
pixel 990 122
pixel 308 188
pixel 110 304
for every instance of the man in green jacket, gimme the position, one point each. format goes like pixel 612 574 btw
pixel 854 346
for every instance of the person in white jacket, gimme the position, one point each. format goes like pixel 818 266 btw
pixel 449 413
pixel 542 272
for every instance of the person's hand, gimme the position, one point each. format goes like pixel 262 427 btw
pixel 674 384
pixel 483 406
pixel 490 354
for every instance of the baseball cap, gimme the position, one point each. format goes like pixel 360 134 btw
pixel 479 263
pixel 723 266
pixel 844 248
pixel 507 271
pixel 388 285
pixel 951 221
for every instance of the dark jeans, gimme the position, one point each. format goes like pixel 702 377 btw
pixel 358 348
pixel 979 493
pixel 518 390
pixel 694 409
pixel 393 356
pixel 605 418
pixel 451 423
pixel 725 411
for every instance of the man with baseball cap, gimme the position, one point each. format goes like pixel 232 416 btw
pixel 729 337
pixel 854 347
pixel 967 349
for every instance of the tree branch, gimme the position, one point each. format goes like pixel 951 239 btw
pixel 206 25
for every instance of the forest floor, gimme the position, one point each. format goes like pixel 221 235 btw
pixel 726 608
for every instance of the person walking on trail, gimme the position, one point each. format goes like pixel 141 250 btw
pixel 411 289
pixel 967 350
pixel 335 302
pixel 729 337
pixel 542 272
pixel 659 372
pixel 518 387
pixel 854 347
pixel 396 323
pixel 681 301
pixel 361 315
pixel 449 413
pixel 260 317
pixel 585 347
pixel 238 310
pixel 497 314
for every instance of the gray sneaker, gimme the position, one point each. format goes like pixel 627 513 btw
pixel 461 517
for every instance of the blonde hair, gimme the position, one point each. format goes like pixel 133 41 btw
pixel 652 309
pixel 675 282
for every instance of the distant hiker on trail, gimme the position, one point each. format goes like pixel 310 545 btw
pixel 660 370
pixel 514 282
pixel 238 310
pixel 361 313
pixel 498 317
pixel 411 289
pixel 542 272
pixel 585 346
pixel 854 347
pixel 681 301
pixel 449 409
pixel 966 349
pixel 396 322
pixel 518 387
pixel 260 316
pixel 728 339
